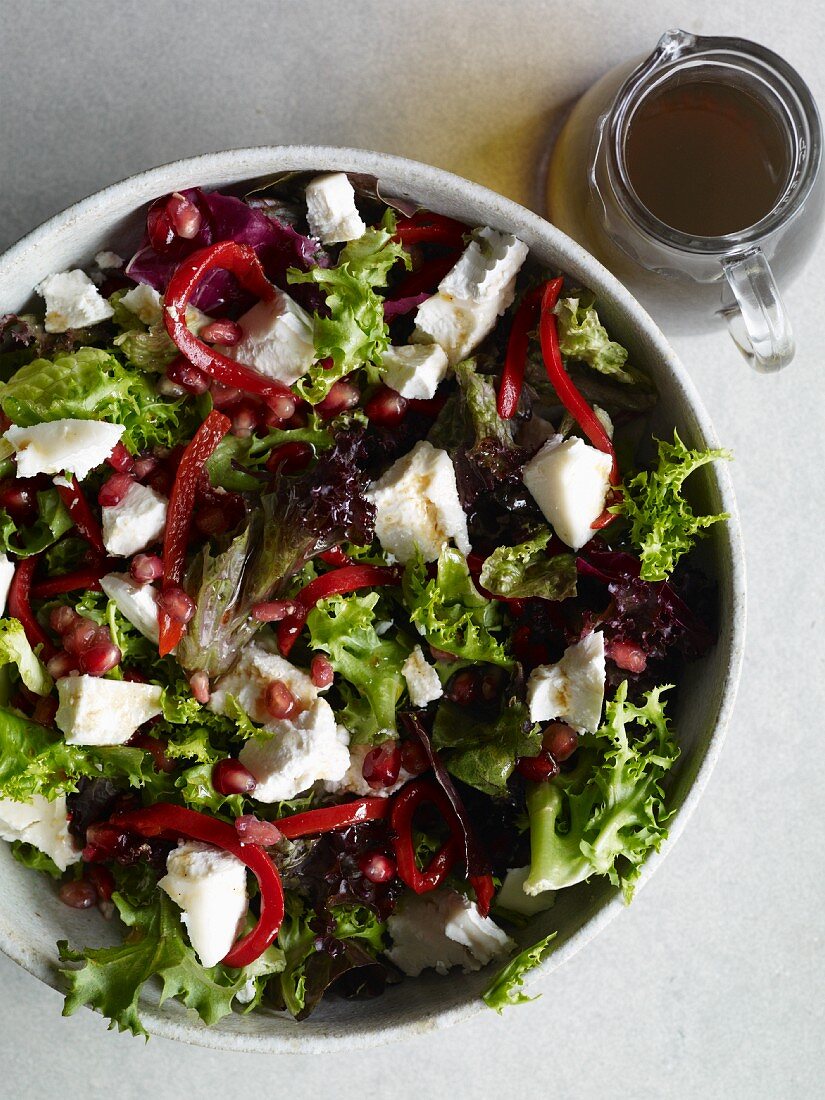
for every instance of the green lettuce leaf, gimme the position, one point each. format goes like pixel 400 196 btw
pixel 344 628
pixel 662 523
pixel 525 570
pixel 110 979
pixel 483 753
pixel 252 452
pixel 608 814
pixel 34 859
pixel 15 650
pixel 506 988
pixel 583 337
pixel 353 334
pixel 450 611
pixel 53 521
pixel 90 384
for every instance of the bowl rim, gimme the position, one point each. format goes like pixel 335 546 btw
pixel 263 159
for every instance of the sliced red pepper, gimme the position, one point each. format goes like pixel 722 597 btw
pixel 567 392
pixel 335 583
pixel 329 818
pixel 335 556
pixel 87 578
pixel 406 803
pixel 84 518
pixel 167 820
pixel 427 228
pixel 20 608
pixel 179 516
pixel 425 278
pixel 515 363
pixel 241 261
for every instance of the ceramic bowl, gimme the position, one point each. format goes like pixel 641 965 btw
pixel 31 917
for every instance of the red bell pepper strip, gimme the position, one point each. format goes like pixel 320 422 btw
pixel 525 320
pixel 335 556
pixel 485 890
pixel 86 578
pixel 426 278
pixel 568 393
pixel 82 515
pixel 179 516
pixel 241 261
pixel 405 804
pixel 335 583
pixel 427 228
pixel 20 608
pixel 329 818
pixel 167 820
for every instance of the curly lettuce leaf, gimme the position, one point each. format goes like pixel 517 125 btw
pixel 344 628
pixel 662 523
pixel 483 752
pixel 506 988
pixel 251 454
pixel 450 611
pixel 606 816
pixel 110 979
pixel 90 384
pixel 583 337
pixel 52 522
pixel 16 650
pixel 34 859
pixel 352 332
pixel 526 570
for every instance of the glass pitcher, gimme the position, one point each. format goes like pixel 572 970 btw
pixel 687 280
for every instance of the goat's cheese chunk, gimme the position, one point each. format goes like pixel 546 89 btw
pixel 415 370
pixel 277 339
pixel 109 261
pixel 513 896
pixel 331 210
pixel 423 683
pixel 134 523
pixel 573 689
pixel 569 480
pixel 247 681
pixel 136 602
pixel 51 448
pixel 41 823
pixel 209 885
pixel 417 505
pixel 441 930
pixel 72 301
pixel 6 574
pixel 293 753
pixel 458 326
pixel 353 781
pixel 486 267
pixel 145 302
pixel 96 711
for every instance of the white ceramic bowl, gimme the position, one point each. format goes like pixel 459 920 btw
pixel 31 917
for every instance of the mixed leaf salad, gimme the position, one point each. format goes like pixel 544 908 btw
pixel 345 591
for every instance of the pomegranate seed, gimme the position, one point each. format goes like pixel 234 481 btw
pixel 300 419
pixel 442 655
pixel 282 406
pixel 559 740
pixel 134 677
pixel 342 396
pixel 382 765
pixel 210 520
pixel 386 407
pixel 490 686
pixel 180 372
pixel 287 635
pixel 273 611
pixel 167 388
pixel 229 776
pixel 80 636
pixel 464 688
pixel 146 568
pixel 413 758
pixel 161 481
pixel 44 711
pixel 222 331
pixel 177 604
pixel 244 421
pixel 120 459
pixel 112 492
pixel 156 747
pixel 251 830
pixel 100 658
pixel 62 619
pixel 321 671
pixel 289 458
pixel 537 769
pixel 278 699
pixel 62 664
pixel 159 227
pixel 199 684
pixel 184 216
pixel 19 499
pixel 145 465
pixel 5 422
pixel 78 895
pixel 103 881
pixel 627 656
pixel 223 396
pixel 376 867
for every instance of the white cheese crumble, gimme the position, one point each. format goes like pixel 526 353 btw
pixel 331 210
pixel 58 445
pixel 96 711
pixel 569 480
pixel 415 370
pixel 145 302
pixel 423 683
pixel 41 823
pixel 136 602
pixel 573 689
pixel 72 301
pixel 138 520
pixel 6 575
pixel 277 339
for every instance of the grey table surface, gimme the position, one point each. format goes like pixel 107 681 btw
pixel 711 983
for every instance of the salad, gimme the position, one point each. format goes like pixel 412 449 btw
pixel 346 600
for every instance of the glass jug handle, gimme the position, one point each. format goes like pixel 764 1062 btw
pixel 768 329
